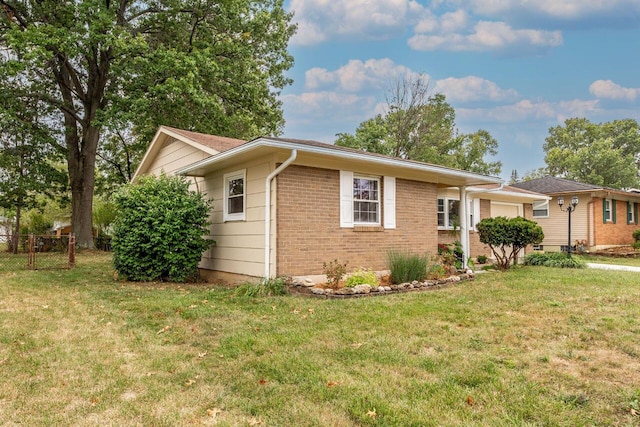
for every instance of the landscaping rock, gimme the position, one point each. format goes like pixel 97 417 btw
pixel 318 291
pixel 362 289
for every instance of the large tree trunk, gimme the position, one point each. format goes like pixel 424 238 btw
pixel 82 179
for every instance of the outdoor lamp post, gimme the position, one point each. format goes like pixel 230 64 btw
pixel 569 209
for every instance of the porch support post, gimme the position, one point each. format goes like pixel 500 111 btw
pixel 464 226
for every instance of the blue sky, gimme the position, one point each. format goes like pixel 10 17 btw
pixel 512 67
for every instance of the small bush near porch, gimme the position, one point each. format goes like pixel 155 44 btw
pixel 531 346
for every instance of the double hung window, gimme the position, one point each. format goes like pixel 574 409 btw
pixel 235 196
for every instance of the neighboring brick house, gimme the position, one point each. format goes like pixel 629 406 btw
pixel 604 217
pixel 323 202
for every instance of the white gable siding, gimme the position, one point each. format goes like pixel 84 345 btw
pixel 175 155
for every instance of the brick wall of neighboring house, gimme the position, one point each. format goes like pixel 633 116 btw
pixel 308 223
pixel 610 234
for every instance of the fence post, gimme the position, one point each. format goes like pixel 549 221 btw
pixel 32 252
pixel 72 250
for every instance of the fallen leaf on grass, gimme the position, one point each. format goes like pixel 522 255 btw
pixel 296 311
pixel 635 413
pixel 201 355
pixel 333 383
pixel 191 381
pixel 470 401
pixel 356 345
pixel 163 330
pixel 372 413
pixel 214 412
pixel 262 381
pixel 255 422
pixel 94 401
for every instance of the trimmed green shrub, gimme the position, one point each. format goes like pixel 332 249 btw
pixel 507 236
pixel 406 267
pixel 158 230
pixel 362 277
pixel 636 235
pixel 272 287
pixel 553 259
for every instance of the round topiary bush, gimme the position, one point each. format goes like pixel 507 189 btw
pixel 158 230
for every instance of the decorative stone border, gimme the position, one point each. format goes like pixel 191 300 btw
pixel 303 288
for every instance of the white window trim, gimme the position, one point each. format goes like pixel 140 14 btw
pixel 630 212
pixel 540 204
pixel 378 202
pixel 239 216
pixel 470 211
pixel 386 200
pixel 608 211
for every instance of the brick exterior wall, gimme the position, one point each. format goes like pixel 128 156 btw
pixel 610 234
pixel 309 233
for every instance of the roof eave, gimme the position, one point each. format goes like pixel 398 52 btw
pixel 469 178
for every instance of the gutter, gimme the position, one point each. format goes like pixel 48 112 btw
pixel 267 212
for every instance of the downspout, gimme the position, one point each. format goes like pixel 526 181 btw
pixel 267 212
pixel 464 229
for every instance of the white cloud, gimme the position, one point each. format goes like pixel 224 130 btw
pixel 572 10
pixel 528 111
pixel 606 89
pixel 472 88
pixel 488 36
pixel 320 20
pixel 325 105
pixel 356 75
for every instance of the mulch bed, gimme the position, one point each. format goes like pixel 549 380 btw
pixel 618 252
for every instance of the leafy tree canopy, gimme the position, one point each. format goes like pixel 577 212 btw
pixel 606 154
pixel 420 126
pixel 103 67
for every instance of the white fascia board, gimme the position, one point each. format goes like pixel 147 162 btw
pixel 346 155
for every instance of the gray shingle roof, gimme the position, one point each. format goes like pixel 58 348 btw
pixel 551 185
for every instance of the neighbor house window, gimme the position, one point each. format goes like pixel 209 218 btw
pixel 541 209
pixel 448 213
pixel 630 213
pixel 366 200
pixel 235 196
pixel 606 210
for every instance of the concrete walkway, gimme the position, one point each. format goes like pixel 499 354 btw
pixel 613 267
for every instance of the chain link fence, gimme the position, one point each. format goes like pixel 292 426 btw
pixel 33 252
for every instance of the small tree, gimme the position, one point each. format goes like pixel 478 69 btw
pixel 507 236
pixel 158 230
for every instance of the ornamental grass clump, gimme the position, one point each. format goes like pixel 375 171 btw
pixel 406 266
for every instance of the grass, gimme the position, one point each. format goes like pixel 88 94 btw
pixel 532 346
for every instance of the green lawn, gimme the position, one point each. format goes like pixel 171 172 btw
pixel 533 346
